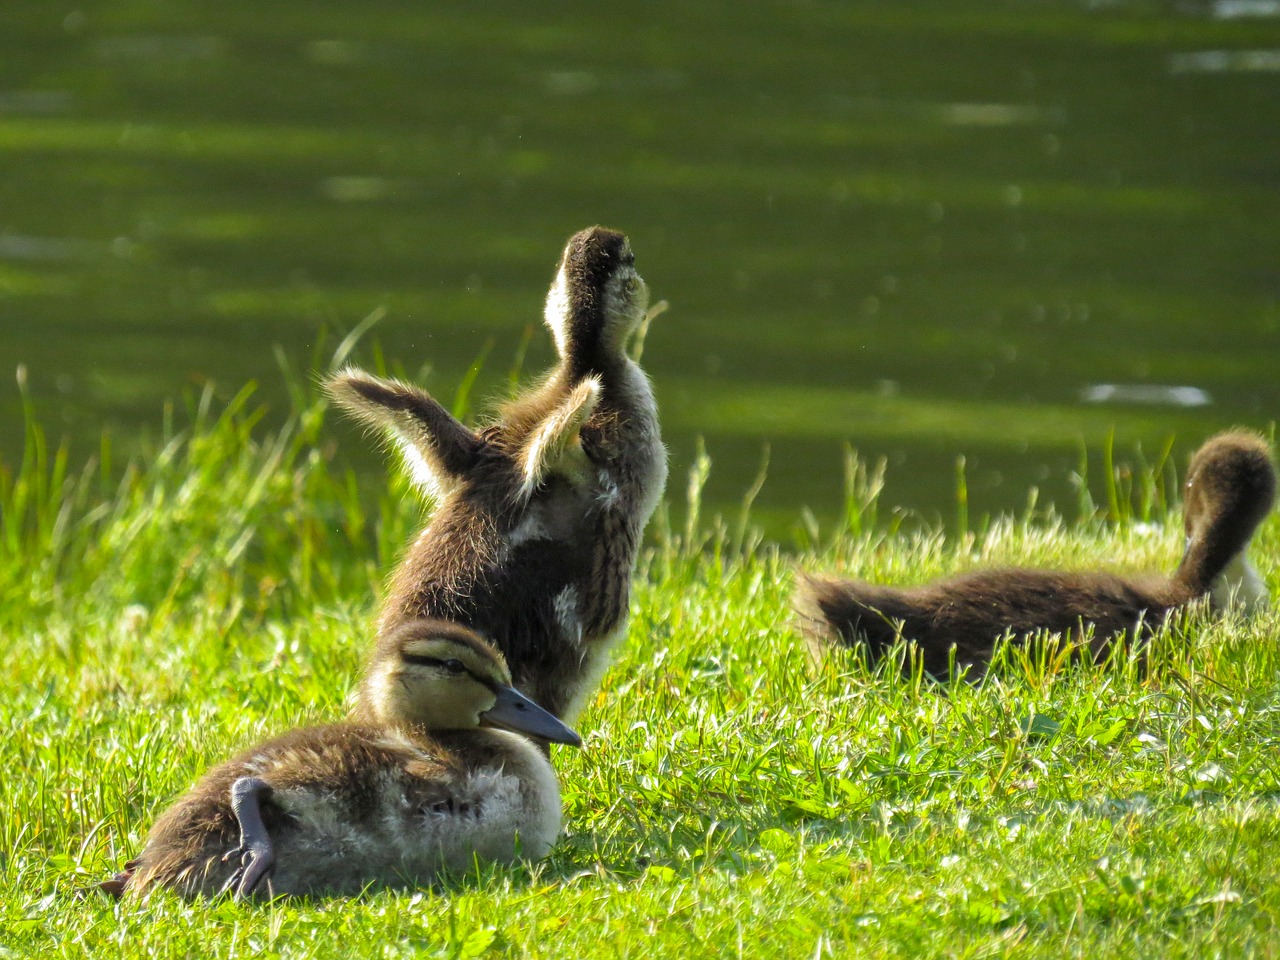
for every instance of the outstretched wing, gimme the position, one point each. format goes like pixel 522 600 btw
pixel 436 446
pixel 554 444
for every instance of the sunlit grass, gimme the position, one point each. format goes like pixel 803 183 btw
pixel 734 797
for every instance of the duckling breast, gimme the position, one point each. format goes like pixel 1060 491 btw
pixel 497 800
pixel 507 806
pixel 1240 588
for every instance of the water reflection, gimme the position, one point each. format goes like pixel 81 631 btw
pixel 36 102
pixel 929 230
pixel 158 47
pixel 1225 61
pixel 1145 393
pixel 1245 9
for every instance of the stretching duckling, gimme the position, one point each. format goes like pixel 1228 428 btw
pixel 426 779
pixel 1229 491
pixel 539 515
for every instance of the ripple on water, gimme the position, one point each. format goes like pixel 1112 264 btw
pixel 1146 393
pixel 355 189
pixel 1245 9
pixel 158 47
pixel 36 102
pixel 577 83
pixel 29 249
pixel 1225 61
pixel 334 52
pixel 995 115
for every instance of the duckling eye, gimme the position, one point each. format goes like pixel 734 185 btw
pixel 451 665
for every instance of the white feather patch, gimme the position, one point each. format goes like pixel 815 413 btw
pixel 556 312
pixel 608 493
pixel 566 607
pixel 422 474
pixel 530 528
pixel 1240 588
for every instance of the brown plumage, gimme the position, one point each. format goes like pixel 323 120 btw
pixel 427 779
pixel 539 514
pixel 1229 491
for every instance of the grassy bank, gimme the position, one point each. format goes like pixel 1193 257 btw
pixel 733 797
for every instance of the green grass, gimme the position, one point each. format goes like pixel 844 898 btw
pixel 733 798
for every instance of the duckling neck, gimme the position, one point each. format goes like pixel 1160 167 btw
pixel 461 739
pixel 1215 547
pixel 607 364
pixel 369 710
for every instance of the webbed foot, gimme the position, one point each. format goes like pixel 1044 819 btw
pixel 256 856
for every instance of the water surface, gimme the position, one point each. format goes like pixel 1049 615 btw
pixel 1002 230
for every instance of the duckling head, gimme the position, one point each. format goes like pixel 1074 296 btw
pixel 1231 480
pixel 443 676
pixel 1230 488
pixel 596 301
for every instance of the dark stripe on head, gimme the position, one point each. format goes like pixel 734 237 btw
pixel 426 629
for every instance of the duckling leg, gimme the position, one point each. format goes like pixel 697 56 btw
pixel 255 853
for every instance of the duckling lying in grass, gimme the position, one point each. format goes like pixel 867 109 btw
pixel 1229 491
pixel 427 778
pixel 539 515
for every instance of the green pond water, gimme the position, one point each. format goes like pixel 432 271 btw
pixel 997 230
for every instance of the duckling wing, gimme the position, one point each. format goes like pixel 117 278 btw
pixel 438 449
pixel 328 790
pixel 555 445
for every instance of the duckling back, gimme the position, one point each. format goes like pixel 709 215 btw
pixel 958 620
pixel 1229 490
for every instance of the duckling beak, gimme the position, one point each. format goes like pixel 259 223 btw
pixel 516 712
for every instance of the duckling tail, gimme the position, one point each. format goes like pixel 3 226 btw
pixel 848 613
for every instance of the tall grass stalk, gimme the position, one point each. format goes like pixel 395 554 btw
pixel 742 539
pixel 734 796
pixel 862 489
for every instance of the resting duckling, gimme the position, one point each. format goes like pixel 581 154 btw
pixel 539 515
pixel 427 778
pixel 1229 491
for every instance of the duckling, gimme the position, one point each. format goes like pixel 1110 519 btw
pixel 432 774
pixel 1229 490
pixel 539 514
